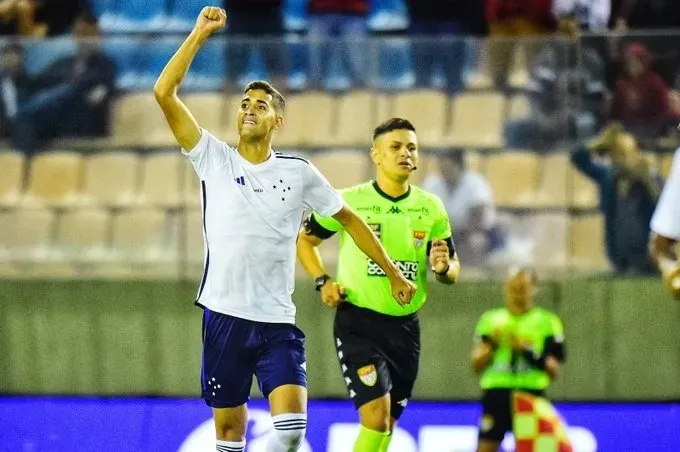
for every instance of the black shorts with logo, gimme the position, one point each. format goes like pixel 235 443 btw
pixel 378 354
pixel 496 418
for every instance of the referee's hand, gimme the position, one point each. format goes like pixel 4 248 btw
pixel 671 277
pixel 403 290
pixel 210 20
pixel 332 294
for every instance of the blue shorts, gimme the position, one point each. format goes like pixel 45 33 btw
pixel 235 349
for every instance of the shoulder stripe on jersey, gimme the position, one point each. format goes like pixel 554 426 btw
pixel 291 157
pixel 207 251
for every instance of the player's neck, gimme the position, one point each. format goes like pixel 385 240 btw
pixel 254 151
pixel 391 187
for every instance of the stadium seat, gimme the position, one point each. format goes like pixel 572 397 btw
pixel 665 165
pixel 393 61
pixel 355 119
pixel 550 234
pixel 587 243
pixel 208 70
pixel 25 234
pixel 193 237
pixel 136 16
pixel 161 182
pixel 55 179
pixel 342 168
pixel 11 178
pixel 111 179
pixel 552 187
pixel 308 121
pixel 428 111
pixel 513 176
pixel 129 54
pixel 384 107
pixel 519 107
pixel 183 14
pixel 583 192
pixel 191 186
pixel 139 121
pixel 39 54
pixel 477 121
pixel 209 109
pixel 82 235
pixel 141 235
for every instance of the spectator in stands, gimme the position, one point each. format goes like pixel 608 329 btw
pixel 338 63
pixel 70 99
pixel 641 96
pixel 15 85
pixel 566 99
pixel 629 189
pixel 468 199
pixel 438 61
pixel 17 17
pixel 509 20
pixel 60 17
pixel 591 15
pixel 646 14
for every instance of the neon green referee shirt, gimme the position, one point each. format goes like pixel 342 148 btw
pixel 405 225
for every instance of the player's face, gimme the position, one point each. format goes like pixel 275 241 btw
pixel 395 153
pixel 520 290
pixel 257 118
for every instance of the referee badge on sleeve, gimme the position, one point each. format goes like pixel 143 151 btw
pixel 368 375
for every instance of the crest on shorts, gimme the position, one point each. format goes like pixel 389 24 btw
pixel 486 423
pixel 368 375
pixel 418 238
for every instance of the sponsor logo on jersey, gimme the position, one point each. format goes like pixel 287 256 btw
pixel 418 238
pixel 394 209
pixel 374 209
pixel 368 375
pixel 407 268
pixel 423 210
pixel 376 228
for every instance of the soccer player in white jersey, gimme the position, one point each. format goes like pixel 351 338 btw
pixel 665 226
pixel 253 202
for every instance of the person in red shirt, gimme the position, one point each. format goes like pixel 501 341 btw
pixel 338 63
pixel 641 96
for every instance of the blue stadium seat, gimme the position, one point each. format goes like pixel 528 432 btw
pixel 40 54
pixel 136 16
pixel 208 71
pixel 129 54
pixel 295 15
pixel 388 15
pixel 394 65
pixel 102 7
pixel 157 53
pixel 183 14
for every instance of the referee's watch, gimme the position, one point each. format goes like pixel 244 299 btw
pixel 321 281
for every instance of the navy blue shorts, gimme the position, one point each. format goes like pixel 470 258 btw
pixel 235 349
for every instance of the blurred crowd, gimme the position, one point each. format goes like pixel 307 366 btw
pixel 606 85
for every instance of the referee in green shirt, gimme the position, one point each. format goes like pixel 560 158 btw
pixel 518 347
pixel 378 340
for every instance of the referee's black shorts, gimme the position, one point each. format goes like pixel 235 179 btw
pixel 497 414
pixel 378 354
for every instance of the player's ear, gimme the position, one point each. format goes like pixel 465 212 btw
pixel 278 122
pixel 374 155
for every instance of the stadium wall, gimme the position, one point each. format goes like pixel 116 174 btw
pixel 134 338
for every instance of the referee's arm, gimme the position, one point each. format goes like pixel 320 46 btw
pixel 184 126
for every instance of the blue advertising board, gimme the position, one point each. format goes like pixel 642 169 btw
pixel 185 425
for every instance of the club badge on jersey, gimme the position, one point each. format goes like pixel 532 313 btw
pixel 418 238
pixel 368 375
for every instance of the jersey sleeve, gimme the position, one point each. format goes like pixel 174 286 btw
pixel 208 154
pixel 318 194
pixel 441 229
pixel 554 341
pixel 666 218
pixel 484 330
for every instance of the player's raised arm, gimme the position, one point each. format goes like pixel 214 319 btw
pixel 356 227
pixel 181 121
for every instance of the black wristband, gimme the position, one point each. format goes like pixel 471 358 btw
pixel 534 358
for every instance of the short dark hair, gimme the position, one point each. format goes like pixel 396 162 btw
pixel 277 97
pixel 525 270
pixel 393 124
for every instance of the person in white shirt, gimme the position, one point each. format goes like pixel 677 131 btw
pixel 665 227
pixel 468 199
pixel 253 202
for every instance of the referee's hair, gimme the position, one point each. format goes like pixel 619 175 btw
pixel 393 124
pixel 527 270
pixel 277 97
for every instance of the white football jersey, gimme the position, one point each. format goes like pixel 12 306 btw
pixel 251 217
pixel 666 218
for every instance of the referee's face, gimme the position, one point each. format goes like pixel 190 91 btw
pixel 520 290
pixel 257 118
pixel 395 154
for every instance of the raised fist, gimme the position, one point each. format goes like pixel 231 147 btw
pixel 210 20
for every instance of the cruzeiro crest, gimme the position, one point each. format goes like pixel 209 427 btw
pixel 418 238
